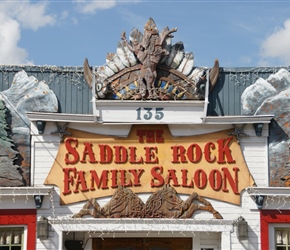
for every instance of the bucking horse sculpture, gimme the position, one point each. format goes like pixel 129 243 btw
pixel 148 67
pixel 165 203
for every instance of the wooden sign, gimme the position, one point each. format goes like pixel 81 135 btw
pixel 92 166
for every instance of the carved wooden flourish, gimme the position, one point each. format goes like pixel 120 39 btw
pixel 165 203
pixel 147 66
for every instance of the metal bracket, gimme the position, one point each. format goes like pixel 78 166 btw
pixel 238 132
pixel 61 130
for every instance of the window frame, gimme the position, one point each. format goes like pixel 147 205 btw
pixel 12 228
pixel 269 220
pixel 21 218
pixel 282 229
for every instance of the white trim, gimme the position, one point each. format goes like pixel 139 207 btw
pixel 237 119
pixel 138 227
pixel 268 191
pixel 226 241
pixel 60 247
pixel 59 117
pixel 62 117
pixel 141 225
pixel 24 191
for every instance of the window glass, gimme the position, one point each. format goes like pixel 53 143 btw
pixel 11 238
pixel 282 238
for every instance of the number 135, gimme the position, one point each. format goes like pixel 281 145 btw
pixel 149 113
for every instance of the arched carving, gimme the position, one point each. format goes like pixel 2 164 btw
pixel 165 203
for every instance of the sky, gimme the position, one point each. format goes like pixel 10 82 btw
pixel 64 33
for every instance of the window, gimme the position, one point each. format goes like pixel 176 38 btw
pixel 282 241
pixel 270 221
pixel 11 238
pixel 24 219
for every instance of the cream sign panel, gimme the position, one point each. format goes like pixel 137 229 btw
pixel 92 166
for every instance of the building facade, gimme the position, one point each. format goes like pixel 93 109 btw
pixel 127 156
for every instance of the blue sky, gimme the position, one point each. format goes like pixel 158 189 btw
pixel 63 33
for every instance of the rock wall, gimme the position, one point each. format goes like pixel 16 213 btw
pixel 26 94
pixel 272 96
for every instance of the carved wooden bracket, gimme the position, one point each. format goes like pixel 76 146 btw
pixel 165 203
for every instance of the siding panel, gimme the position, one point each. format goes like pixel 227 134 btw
pixel 225 99
pixel 67 83
pixel 74 95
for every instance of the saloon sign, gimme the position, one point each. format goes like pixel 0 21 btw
pixel 92 166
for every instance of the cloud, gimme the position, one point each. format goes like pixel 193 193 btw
pixel 29 15
pixel 64 14
pixel 75 20
pixel 135 20
pixel 276 46
pixel 91 6
pixel 245 60
pixel 13 17
pixel 10 53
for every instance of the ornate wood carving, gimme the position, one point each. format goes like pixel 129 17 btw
pixel 165 203
pixel 149 67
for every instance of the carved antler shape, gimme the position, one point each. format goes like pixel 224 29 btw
pixel 166 33
pixel 123 36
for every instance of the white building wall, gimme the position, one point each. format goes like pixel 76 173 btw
pixel 203 230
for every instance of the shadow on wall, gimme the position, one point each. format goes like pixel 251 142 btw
pixel 215 107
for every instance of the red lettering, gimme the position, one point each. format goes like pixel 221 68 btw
pixel 123 179
pixel 106 154
pixel 185 179
pixel 233 182
pixel 81 181
pixel 150 155
pixel 178 152
pixel 137 175
pixel 121 155
pixel 224 151
pixel 159 137
pixel 71 151
pixel 200 178
pixel 215 179
pixel 114 178
pixel 190 153
pixel 95 179
pixel 150 136
pixel 172 176
pixel 141 133
pixel 156 174
pixel 207 152
pixel 88 150
pixel 68 179
pixel 132 158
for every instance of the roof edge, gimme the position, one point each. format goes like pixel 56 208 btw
pixel 82 118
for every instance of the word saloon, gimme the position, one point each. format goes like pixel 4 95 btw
pixel 92 165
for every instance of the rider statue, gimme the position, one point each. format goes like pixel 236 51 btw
pixel 149 52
